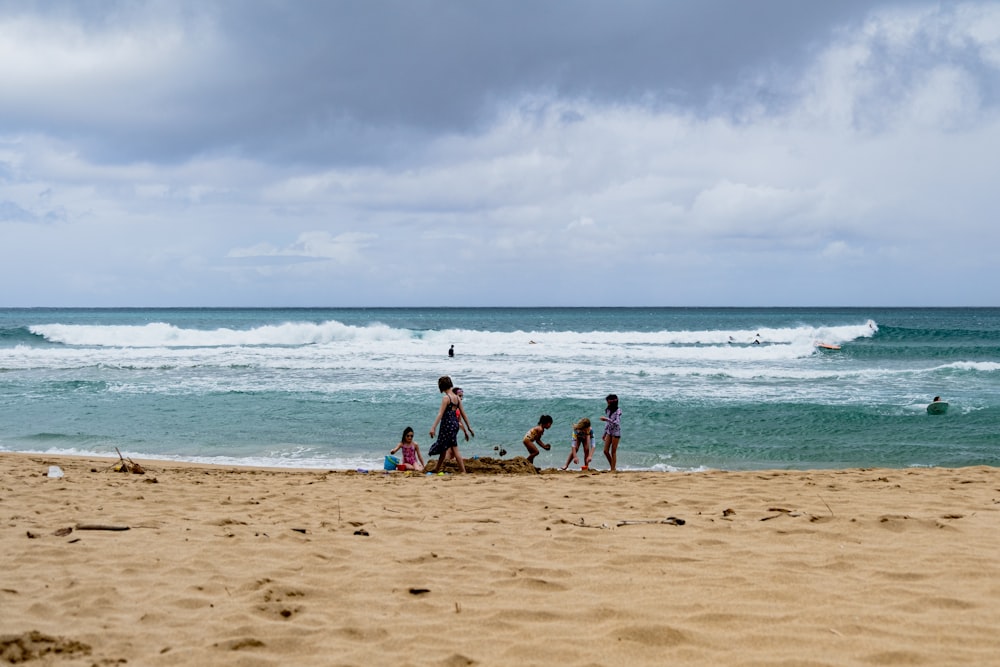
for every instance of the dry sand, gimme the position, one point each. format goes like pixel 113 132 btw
pixel 224 566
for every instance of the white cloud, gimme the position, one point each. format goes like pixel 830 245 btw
pixel 741 209
pixel 947 98
pixel 346 248
pixel 842 250
pixel 56 67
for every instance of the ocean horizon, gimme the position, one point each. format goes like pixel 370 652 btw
pixel 700 388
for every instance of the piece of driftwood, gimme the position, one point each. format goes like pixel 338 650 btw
pixel 99 526
pixel 127 465
pixel 670 520
pixel 583 524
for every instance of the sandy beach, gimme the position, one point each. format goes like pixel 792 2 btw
pixel 240 566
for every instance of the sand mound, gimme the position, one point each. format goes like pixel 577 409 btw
pixel 487 465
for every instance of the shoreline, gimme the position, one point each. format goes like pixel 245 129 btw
pixel 489 464
pixel 268 566
pixel 512 461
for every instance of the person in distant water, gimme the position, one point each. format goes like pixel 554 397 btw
pixel 451 351
pixel 612 430
pixel 937 399
pixel 534 437
pixel 582 435
pixel 412 460
pixel 447 442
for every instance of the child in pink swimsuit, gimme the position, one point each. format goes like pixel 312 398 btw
pixel 412 460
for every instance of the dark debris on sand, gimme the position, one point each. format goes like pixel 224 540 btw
pixel 35 645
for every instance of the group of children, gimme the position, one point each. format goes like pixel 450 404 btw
pixel 583 437
pixel 451 416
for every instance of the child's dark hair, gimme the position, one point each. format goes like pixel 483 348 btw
pixel 544 419
pixel 408 429
pixel 613 400
pixel 444 383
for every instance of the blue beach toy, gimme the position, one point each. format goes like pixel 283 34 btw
pixel 391 462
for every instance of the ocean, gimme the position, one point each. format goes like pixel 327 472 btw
pixel 334 388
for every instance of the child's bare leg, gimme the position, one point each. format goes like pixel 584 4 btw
pixel 571 457
pixel 532 451
pixel 613 457
pixel 458 458
pixel 607 451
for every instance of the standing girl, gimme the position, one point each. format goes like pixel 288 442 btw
pixel 447 442
pixel 534 436
pixel 612 430
pixel 412 460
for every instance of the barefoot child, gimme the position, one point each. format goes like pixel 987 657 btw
pixel 447 417
pixel 534 436
pixel 582 435
pixel 412 460
pixel 612 430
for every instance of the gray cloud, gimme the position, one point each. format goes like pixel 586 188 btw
pixel 345 82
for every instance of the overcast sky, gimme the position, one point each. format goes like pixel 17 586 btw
pixel 488 153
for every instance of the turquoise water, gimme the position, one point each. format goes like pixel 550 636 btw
pixel 334 388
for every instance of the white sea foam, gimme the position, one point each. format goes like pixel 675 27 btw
pixel 984 366
pixel 159 334
pixel 330 357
